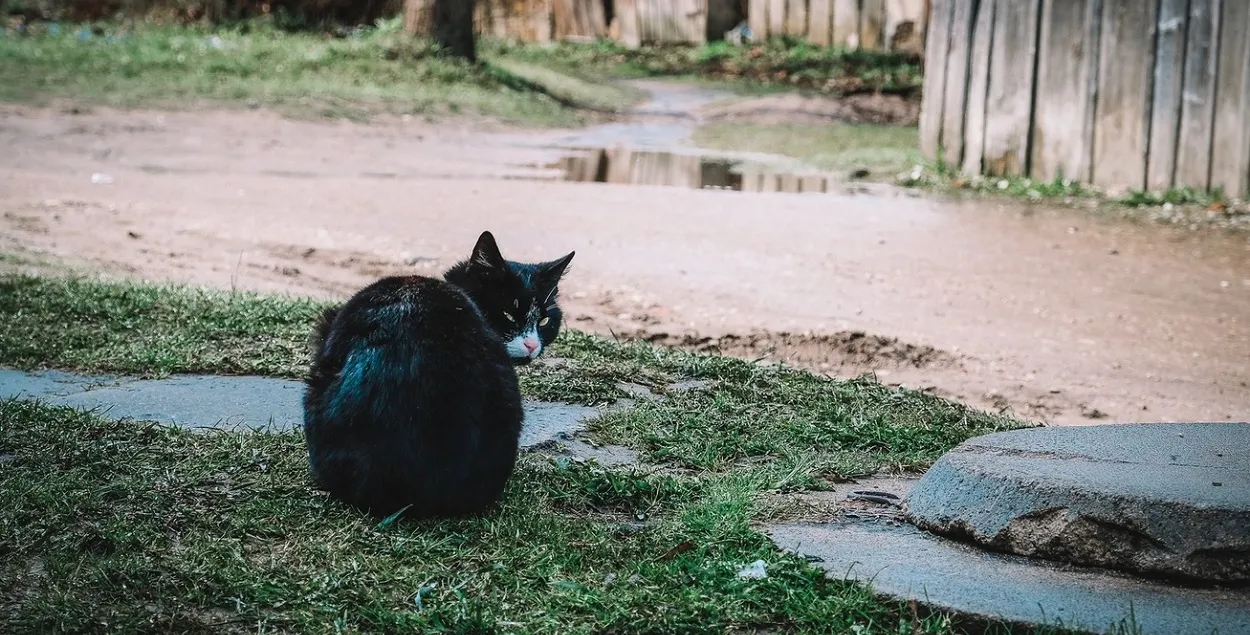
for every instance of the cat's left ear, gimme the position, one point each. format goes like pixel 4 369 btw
pixel 486 253
pixel 554 270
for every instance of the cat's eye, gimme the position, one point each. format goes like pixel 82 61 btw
pixel 544 321
pixel 516 304
pixel 509 316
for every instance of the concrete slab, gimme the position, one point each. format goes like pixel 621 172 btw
pixel 231 402
pixel 906 563
pixel 1168 500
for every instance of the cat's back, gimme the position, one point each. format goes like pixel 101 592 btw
pixel 424 318
pixel 412 400
pixel 408 345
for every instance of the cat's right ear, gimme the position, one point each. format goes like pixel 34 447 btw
pixel 486 253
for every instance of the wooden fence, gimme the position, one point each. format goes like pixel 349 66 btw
pixel 867 24
pixel 1121 93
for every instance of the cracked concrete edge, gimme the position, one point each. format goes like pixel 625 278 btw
pixel 1105 514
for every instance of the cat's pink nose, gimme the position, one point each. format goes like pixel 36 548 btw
pixel 530 344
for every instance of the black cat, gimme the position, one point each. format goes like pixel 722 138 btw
pixel 412 398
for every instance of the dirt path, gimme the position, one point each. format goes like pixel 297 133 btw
pixel 1045 312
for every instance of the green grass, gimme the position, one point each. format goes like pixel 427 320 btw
pixel 125 527
pixel 144 528
pixel 799 429
pixel 883 150
pixel 378 71
pixel 779 63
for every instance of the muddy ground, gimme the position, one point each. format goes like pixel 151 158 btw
pixel 1043 312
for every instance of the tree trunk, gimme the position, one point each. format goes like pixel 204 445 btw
pixel 451 25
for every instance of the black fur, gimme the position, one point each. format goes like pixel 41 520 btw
pixel 412 398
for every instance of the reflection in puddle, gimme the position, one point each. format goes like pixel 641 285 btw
pixel 631 167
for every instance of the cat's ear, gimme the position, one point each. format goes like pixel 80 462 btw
pixel 554 270
pixel 486 253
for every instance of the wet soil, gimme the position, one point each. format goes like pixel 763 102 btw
pixel 1044 312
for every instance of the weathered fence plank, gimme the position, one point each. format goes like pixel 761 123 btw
pixel 820 22
pixel 776 17
pixel 1193 156
pixel 1067 78
pixel 904 25
pixel 694 21
pixel 932 95
pixel 757 19
pixel 578 19
pixel 796 18
pixel 1124 93
pixel 1009 97
pixel 627 23
pixel 872 24
pixel 1230 154
pixel 1165 112
pixel 978 86
pixel 956 92
pixel 846 23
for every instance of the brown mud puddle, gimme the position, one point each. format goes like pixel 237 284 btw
pixel 623 166
pixel 1046 313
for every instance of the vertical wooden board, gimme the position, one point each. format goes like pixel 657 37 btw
pixel 564 19
pixel 872 23
pixel 645 8
pixel 776 18
pixel 846 23
pixel 978 84
pixel 1009 95
pixel 796 18
pixel 934 88
pixel 618 165
pixel 540 20
pixel 694 21
pixel 1067 76
pixel 1125 73
pixel 813 183
pixel 904 25
pixel 416 17
pixel 922 23
pixel 956 91
pixel 1193 149
pixel 1165 111
pixel 757 19
pixel 788 183
pixel 819 22
pixel 1230 152
pixel 627 23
